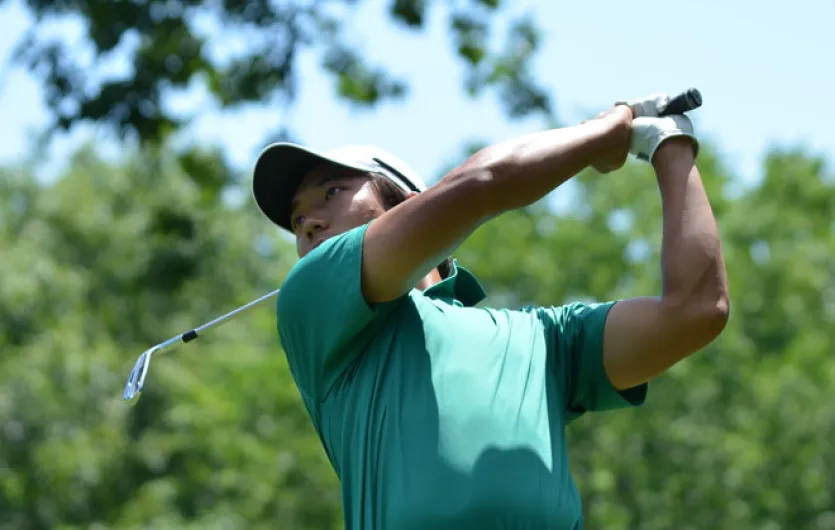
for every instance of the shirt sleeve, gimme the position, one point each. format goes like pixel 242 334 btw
pixel 575 339
pixel 323 318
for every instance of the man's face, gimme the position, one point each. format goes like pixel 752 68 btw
pixel 329 201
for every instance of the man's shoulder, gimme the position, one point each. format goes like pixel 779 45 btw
pixel 322 315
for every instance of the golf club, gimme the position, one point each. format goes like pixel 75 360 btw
pixel 136 379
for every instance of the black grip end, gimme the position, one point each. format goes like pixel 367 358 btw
pixel 695 97
pixel 688 100
pixel 189 336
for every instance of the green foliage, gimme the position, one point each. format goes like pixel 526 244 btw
pixel 100 265
pixel 113 258
pixel 173 44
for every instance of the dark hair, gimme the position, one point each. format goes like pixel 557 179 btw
pixel 391 195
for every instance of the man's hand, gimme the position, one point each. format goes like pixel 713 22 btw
pixel 648 134
pixel 646 106
pixel 617 158
pixel 649 130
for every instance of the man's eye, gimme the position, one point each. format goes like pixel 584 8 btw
pixel 297 222
pixel 332 191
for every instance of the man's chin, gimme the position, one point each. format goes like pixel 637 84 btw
pixel 319 242
pixel 325 238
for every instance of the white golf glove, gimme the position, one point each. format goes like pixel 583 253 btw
pixel 646 106
pixel 648 133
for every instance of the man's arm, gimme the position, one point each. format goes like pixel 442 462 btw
pixel 645 336
pixel 408 241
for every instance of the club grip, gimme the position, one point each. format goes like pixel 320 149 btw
pixel 688 100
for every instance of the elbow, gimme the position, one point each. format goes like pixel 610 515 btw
pixel 715 305
pixel 702 307
pixel 723 307
pixel 716 315
pixel 702 319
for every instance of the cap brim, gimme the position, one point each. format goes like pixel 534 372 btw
pixel 278 172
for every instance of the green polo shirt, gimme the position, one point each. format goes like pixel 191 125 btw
pixel 434 413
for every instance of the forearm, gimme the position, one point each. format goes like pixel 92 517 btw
pixel 645 336
pixel 405 243
pixel 523 170
pixel 692 265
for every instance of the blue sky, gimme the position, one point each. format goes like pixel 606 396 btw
pixel 765 69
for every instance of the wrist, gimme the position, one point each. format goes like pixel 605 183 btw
pixel 675 151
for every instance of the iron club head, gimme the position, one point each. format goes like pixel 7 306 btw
pixel 136 379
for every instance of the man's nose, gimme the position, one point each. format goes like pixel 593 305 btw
pixel 312 226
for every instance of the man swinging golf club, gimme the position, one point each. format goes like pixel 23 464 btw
pixel 434 413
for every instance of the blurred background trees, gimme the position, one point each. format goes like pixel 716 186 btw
pixel 172 44
pixel 112 257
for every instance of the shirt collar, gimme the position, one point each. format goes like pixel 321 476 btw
pixel 460 285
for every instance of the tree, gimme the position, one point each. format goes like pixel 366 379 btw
pixel 168 45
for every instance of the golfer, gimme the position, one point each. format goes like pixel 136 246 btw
pixel 437 414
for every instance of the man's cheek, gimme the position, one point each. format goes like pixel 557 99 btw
pixel 368 211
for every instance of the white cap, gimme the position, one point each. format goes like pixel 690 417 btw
pixel 282 166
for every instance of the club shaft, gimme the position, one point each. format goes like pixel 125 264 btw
pixel 193 333
pixel 236 312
